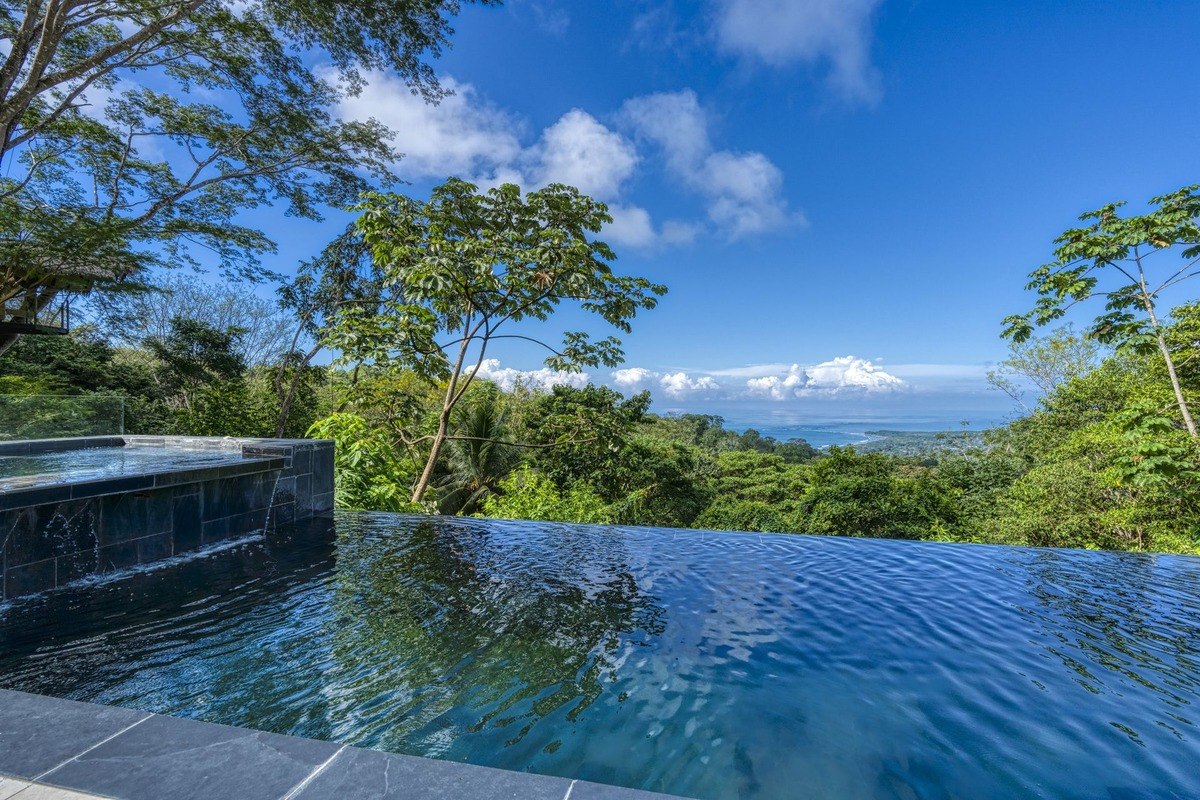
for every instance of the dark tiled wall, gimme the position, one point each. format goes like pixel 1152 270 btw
pixel 52 536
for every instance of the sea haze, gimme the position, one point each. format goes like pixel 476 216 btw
pixel 827 432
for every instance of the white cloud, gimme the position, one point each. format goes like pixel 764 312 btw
pixel 680 385
pixel 579 151
pixel 633 377
pixel 466 136
pixel 845 374
pixel 462 135
pixel 784 32
pixel 508 378
pixel 744 191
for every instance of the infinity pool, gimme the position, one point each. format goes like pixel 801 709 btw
pixel 702 664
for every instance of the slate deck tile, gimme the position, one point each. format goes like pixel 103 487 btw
pixel 373 775
pixel 39 733
pixel 165 757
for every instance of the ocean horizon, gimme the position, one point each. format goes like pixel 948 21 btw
pixel 827 432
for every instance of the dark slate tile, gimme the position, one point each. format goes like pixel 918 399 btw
pixel 188 476
pixel 322 470
pixel 322 502
pixel 373 775
pixel 230 496
pixel 124 517
pixel 75 566
pixel 586 790
pixel 20 498
pixel 220 530
pixel 106 486
pixel 153 548
pixel 186 522
pixel 69 527
pixel 121 555
pixel 302 460
pixel 29 578
pixel 283 514
pixel 158 511
pixel 304 496
pixel 184 759
pixel 40 733
pixel 285 490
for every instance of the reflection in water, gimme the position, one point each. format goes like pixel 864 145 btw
pixel 709 665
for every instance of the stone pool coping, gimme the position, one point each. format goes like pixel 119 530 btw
pixel 134 755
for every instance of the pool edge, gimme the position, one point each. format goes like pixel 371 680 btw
pixel 123 753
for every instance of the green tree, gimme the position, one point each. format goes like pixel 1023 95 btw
pixel 874 495
pixel 1110 258
pixel 1046 362
pixel 528 494
pixel 479 457
pixel 469 267
pixel 237 119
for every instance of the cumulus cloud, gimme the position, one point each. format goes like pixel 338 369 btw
pixel 633 377
pixel 779 33
pixel 467 136
pixel 508 378
pixel 845 374
pixel 462 135
pixel 744 191
pixel 580 151
pixel 680 385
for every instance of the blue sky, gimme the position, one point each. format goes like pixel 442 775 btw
pixel 844 196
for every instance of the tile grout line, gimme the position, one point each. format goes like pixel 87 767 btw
pixel 302 785
pixel 570 789
pixel 126 729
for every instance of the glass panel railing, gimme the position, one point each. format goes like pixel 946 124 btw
pixel 36 416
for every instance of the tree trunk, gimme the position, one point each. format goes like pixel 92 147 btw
pixel 1188 422
pixel 285 406
pixel 1148 302
pixel 434 451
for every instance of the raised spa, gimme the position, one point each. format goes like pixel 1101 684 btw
pixel 74 508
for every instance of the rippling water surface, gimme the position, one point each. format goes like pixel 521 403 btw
pixel 90 463
pixel 709 665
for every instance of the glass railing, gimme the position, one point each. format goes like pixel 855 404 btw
pixel 40 416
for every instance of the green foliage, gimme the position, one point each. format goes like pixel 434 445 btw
pixel 369 474
pixel 528 494
pixel 237 119
pixel 1108 259
pixel 1046 362
pixel 478 456
pixel 754 491
pixel 475 266
pixel 873 495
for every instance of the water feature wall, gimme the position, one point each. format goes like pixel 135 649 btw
pixel 60 527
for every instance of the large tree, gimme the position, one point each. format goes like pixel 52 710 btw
pixel 1121 260
pixel 136 132
pixel 468 269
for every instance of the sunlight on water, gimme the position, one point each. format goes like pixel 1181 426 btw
pixel 708 665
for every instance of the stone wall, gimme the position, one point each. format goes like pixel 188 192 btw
pixel 51 535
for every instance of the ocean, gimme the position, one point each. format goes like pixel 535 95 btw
pixel 847 432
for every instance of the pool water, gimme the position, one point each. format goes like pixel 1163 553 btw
pixel 702 664
pixel 94 463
